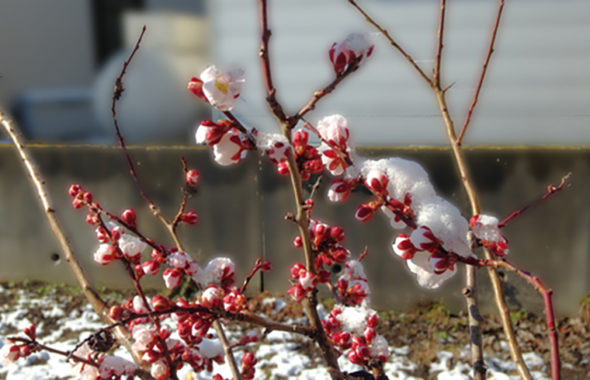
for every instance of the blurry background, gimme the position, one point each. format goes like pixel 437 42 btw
pixel 59 59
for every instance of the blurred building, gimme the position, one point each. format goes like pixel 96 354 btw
pixel 56 73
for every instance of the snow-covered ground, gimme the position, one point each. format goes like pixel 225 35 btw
pixel 278 354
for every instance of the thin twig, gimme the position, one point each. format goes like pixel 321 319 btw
pixel 483 73
pixel 117 92
pixel 439 45
pixel 392 41
pixel 551 190
pixel 318 95
pixel 38 183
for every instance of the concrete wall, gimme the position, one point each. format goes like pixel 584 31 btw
pixel 242 213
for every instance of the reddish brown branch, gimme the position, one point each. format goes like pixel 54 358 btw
pixel 141 373
pixel 550 191
pixel 118 91
pixel 483 73
pixel 439 45
pixel 318 95
pixel 392 41
pixel 545 292
pixel 274 105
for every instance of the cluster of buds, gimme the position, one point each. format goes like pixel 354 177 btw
pixel 423 240
pixel 336 146
pixel 81 196
pixel 248 363
pixel 327 244
pixel 306 282
pixel 350 51
pixel 12 351
pixel 354 329
pixel 307 157
pixel 352 286
pixel 486 231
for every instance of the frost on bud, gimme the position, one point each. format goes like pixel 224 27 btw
pixel 423 239
pixel 105 254
pixel 129 217
pixel 210 132
pixel 190 217
pixel 220 88
pixel 340 190
pixel 172 277
pixel 115 366
pixel 139 306
pixel 231 149
pixel 159 369
pixel 212 297
pixel 192 177
pixel 485 229
pixel 335 146
pixel 355 46
pixel 403 247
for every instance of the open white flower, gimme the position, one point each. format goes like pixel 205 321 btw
pixel 222 88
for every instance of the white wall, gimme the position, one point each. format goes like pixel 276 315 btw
pixel 537 90
pixel 44 44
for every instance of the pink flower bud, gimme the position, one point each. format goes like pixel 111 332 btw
pixel 209 132
pixel 105 254
pixel 116 312
pixel 423 239
pixel 195 85
pixel 278 152
pixel 337 233
pixel 212 297
pixel 355 46
pixel 129 217
pixel 192 177
pixel 151 267
pixel 439 262
pixel 298 242
pixel 339 191
pixel 31 331
pixel 161 303
pixel 231 149
pixel 377 182
pixel 403 247
pixel 369 333
pixel 190 217
pixel 172 277
pixel 364 212
pixel 74 190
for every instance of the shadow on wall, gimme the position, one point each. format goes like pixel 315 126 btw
pixel 242 212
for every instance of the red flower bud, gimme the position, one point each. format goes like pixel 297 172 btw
pixel 129 217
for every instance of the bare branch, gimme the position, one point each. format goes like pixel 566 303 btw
pixel 483 73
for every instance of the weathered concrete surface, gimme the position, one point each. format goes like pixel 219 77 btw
pixel 242 213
